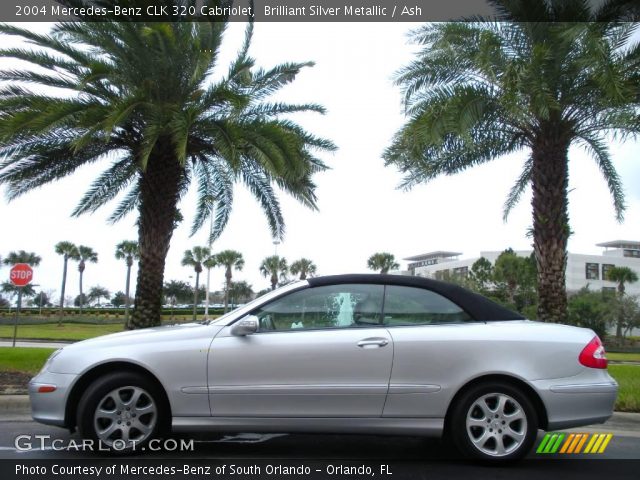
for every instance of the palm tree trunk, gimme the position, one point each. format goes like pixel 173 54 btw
pixel 227 277
pixel 274 281
pixel 127 302
pixel 206 295
pixel 81 297
pixel 619 338
pixel 195 297
pixel 550 178
pixel 159 186
pixel 62 288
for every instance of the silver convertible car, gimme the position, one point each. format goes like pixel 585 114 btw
pixel 369 354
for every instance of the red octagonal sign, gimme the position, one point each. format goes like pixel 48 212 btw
pixel 21 274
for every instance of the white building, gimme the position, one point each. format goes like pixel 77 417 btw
pixel 582 269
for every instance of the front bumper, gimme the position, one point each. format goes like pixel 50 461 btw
pixel 49 407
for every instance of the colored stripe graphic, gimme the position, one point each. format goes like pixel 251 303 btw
pixel 567 443
pixel 543 443
pixel 590 444
pixel 550 443
pixel 606 442
pixel 582 442
pixel 574 443
pixel 557 444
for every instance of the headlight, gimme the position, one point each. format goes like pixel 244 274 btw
pixel 50 359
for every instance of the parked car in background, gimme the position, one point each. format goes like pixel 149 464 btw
pixel 374 354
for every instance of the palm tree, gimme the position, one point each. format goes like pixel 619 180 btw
pixel 382 261
pixel 622 275
pixel 230 260
pixel 10 289
pixel 85 254
pixel 176 291
pixel 303 267
pixel 30 258
pixel 240 292
pixel 194 258
pixel 477 91
pixel 147 96
pixel 273 267
pixel 98 292
pixel 129 251
pixel 68 251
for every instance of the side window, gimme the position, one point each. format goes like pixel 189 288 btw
pixel 417 306
pixel 334 306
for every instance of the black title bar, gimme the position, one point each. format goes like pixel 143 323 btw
pixel 274 10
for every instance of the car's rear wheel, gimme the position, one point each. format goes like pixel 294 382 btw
pixel 494 421
pixel 121 412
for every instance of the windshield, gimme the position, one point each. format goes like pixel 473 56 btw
pixel 258 301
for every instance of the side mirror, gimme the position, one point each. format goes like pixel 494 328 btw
pixel 246 326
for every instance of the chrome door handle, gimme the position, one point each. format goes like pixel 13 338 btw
pixel 373 342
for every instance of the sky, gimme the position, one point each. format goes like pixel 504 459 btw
pixel 361 210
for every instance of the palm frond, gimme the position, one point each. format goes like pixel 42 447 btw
pixel 600 153
pixel 518 188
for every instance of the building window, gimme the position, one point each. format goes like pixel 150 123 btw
pixel 592 271
pixel 605 270
pixel 443 275
pixel 461 272
pixel 631 253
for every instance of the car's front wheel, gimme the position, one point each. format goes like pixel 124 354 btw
pixel 494 421
pixel 121 412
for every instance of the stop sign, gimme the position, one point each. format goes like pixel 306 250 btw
pixel 21 275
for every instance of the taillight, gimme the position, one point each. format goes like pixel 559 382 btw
pixel 593 355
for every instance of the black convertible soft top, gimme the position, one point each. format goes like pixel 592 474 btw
pixel 479 307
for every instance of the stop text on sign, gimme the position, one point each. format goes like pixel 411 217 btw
pixel 21 275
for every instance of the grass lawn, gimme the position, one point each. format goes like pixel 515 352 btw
pixel 23 359
pixel 628 376
pixel 624 357
pixel 68 331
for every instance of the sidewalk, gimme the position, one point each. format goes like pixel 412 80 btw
pixel 35 343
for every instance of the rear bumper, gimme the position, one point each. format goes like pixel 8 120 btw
pixel 49 408
pixel 576 404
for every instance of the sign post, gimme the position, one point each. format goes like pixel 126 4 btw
pixel 20 275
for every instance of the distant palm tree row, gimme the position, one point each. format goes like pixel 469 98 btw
pixel 274 267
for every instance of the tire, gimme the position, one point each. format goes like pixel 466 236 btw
pixel 493 422
pixel 121 412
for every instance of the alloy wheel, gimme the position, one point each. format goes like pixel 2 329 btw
pixel 125 416
pixel 496 424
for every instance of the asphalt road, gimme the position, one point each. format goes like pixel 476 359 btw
pixel 399 456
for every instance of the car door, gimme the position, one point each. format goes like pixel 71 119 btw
pixel 431 350
pixel 319 352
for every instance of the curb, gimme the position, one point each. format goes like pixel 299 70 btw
pixel 14 404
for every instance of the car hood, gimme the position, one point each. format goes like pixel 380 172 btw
pixel 141 336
